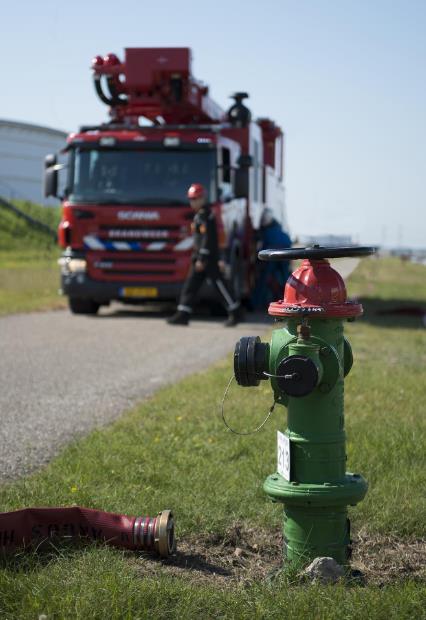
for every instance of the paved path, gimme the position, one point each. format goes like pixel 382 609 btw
pixel 62 375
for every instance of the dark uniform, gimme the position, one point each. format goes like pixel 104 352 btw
pixel 206 250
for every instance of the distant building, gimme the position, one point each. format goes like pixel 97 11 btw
pixel 23 147
pixel 416 255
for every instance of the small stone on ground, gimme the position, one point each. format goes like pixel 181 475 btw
pixel 325 570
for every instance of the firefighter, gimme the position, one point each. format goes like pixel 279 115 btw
pixel 205 264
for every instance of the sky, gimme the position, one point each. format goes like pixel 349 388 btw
pixel 345 79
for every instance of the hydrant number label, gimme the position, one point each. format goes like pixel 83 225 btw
pixel 283 460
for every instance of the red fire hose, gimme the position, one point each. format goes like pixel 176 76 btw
pixel 22 527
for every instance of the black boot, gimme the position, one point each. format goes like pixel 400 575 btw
pixel 179 318
pixel 234 317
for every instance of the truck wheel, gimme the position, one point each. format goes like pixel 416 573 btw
pixel 79 305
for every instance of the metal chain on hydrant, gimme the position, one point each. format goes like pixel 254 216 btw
pixel 256 430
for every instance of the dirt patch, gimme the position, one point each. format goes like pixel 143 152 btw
pixel 245 555
pixel 241 555
pixel 385 559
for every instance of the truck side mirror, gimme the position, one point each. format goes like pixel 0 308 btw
pixel 241 183
pixel 245 161
pixel 50 176
pixel 50 160
pixel 241 178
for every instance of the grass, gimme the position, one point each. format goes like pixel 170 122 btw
pixel 173 452
pixel 17 234
pixel 29 274
pixel 386 392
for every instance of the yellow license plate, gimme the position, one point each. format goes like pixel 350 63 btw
pixel 139 291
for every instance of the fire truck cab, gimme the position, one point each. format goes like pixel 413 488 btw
pixel 126 223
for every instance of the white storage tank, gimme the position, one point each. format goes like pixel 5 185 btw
pixel 23 147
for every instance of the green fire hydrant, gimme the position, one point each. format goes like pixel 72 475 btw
pixel 306 363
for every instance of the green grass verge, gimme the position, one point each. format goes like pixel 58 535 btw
pixel 16 234
pixel 103 584
pixel 29 274
pixel 173 452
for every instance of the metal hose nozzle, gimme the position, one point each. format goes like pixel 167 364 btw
pixel 155 533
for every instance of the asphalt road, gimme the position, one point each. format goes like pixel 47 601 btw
pixel 63 375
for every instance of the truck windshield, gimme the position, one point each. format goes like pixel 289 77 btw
pixel 120 176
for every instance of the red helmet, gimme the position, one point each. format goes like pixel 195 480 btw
pixel 196 191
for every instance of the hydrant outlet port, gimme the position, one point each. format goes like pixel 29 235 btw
pixel 297 375
pixel 250 361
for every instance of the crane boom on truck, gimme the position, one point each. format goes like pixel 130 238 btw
pixel 126 225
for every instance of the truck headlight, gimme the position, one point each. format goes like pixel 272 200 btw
pixel 73 265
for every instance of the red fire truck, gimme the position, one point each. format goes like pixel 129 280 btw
pixel 126 223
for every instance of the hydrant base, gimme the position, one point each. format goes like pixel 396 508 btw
pixel 316 522
pixel 321 532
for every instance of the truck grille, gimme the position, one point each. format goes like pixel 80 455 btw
pixel 170 234
pixel 141 266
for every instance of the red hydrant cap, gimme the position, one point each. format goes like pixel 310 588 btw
pixel 315 288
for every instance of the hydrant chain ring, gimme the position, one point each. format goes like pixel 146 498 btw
pixel 256 430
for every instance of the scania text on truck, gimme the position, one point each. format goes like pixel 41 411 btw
pixel 126 224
